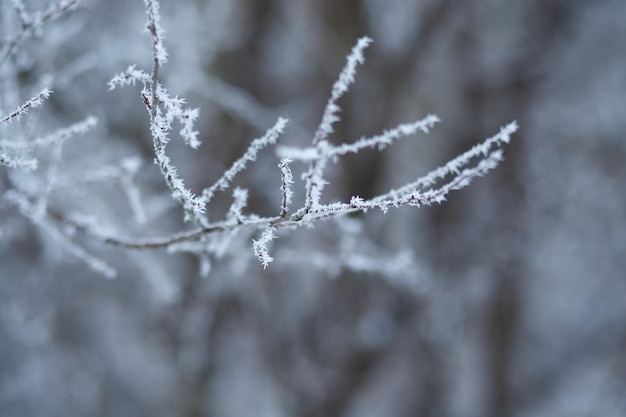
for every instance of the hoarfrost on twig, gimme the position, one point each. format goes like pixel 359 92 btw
pixel 211 238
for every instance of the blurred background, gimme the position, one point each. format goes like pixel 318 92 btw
pixel 507 300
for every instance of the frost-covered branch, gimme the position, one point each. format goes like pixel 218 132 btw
pixel 21 111
pixel 313 178
pixel 31 23
pixel 164 110
pixel 159 53
pixel 59 136
pixel 381 141
pixel 340 87
pixel 20 162
pixel 453 167
pixel 239 165
pixel 260 246
pixel 286 181
pixel 13 154
pixel 53 229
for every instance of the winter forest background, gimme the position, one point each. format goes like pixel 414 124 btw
pixel 509 299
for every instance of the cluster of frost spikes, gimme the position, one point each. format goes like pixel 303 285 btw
pixel 210 237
